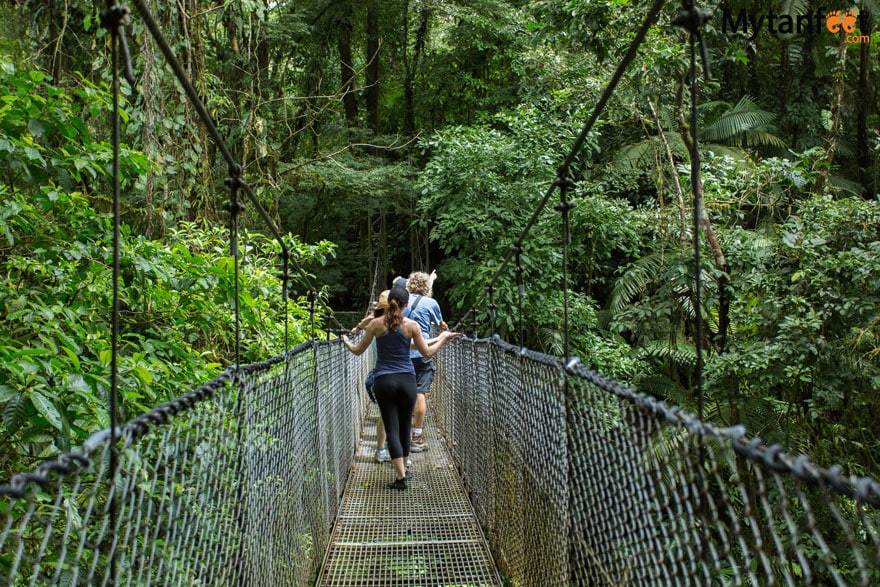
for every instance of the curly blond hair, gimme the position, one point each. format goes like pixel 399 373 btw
pixel 419 283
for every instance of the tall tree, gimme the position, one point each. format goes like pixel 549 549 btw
pixel 346 65
pixel 371 91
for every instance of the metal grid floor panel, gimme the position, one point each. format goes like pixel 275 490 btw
pixel 424 537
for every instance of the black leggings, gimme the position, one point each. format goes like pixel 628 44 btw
pixel 396 395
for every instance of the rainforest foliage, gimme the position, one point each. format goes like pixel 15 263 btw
pixel 386 137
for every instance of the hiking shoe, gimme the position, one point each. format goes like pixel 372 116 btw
pixel 418 443
pixel 398 484
pixel 382 455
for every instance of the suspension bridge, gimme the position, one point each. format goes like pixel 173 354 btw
pixel 541 472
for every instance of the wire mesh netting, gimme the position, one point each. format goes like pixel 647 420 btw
pixel 426 536
pixel 579 481
pixel 575 480
pixel 235 483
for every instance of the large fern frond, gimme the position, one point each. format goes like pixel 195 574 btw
pixel 642 155
pixel 744 124
pixel 638 155
pixel 681 355
pixel 635 281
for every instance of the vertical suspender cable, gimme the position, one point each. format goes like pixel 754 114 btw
pixel 285 295
pixel 698 205
pixel 563 180
pixel 492 308
pixel 521 291
pixel 112 19
pixel 692 19
pixel 234 207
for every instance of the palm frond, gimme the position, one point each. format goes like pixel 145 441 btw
pixel 846 185
pixel 745 123
pixel 642 155
pixel 680 355
pixel 638 155
pixel 795 7
pixel 635 281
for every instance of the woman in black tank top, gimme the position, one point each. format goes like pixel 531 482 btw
pixel 395 386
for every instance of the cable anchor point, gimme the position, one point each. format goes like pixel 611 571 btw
pixel 692 19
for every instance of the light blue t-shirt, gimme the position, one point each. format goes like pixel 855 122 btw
pixel 426 312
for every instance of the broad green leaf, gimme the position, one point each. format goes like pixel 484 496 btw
pixel 47 409
pixel 76 382
pixel 143 375
pixel 15 413
pixel 7 393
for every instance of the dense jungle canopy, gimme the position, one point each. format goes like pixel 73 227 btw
pixel 387 137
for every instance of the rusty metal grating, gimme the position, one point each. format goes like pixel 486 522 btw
pixel 426 536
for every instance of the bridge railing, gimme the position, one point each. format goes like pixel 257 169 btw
pixel 235 483
pixel 580 481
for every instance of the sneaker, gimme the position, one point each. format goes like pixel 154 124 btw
pixel 382 455
pixel 398 484
pixel 418 443
pixel 408 463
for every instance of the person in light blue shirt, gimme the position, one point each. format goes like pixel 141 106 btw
pixel 425 311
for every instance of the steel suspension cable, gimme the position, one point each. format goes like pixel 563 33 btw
pixel 563 169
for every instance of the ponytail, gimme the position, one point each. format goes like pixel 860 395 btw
pixel 394 315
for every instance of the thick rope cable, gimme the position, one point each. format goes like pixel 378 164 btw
pixel 576 147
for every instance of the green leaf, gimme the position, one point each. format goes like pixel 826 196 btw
pixel 47 409
pixel 7 393
pixel 143 375
pixel 76 382
pixel 15 413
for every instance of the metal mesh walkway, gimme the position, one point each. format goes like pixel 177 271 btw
pixel 425 536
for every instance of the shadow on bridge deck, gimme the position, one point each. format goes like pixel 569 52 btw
pixel 425 536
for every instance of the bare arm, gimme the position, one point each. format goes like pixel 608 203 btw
pixel 364 343
pixel 428 349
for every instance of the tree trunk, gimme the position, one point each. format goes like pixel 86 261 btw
pixel 346 65
pixel 411 65
pixel 192 58
pixel 57 30
pixel 864 160
pixel 371 93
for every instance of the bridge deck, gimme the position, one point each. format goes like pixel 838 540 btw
pixel 425 536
